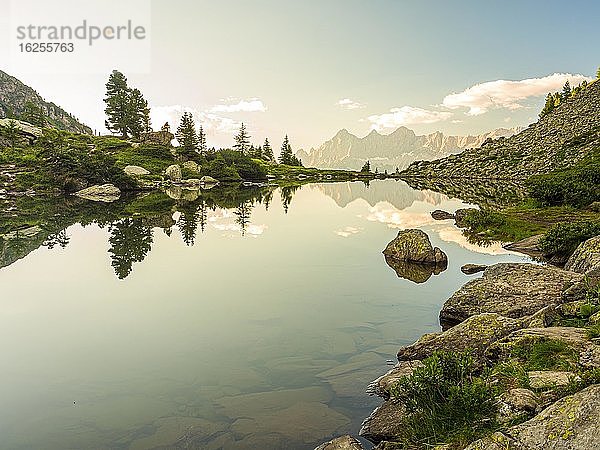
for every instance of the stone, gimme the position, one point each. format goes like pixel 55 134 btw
pixel 414 246
pixel 173 172
pixel 190 183
pixel 381 386
pixel 341 443
pixel 528 246
pixel 544 379
pixel 135 171
pixel 470 269
pixel 100 193
pixel 569 424
pixel 438 214
pixel 511 289
pixel 25 128
pixel 459 216
pixel 476 333
pixel 162 138
pixel 384 423
pixel 191 166
pixel 208 180
pixel 517 404
pixel 415 272
pixel 586 257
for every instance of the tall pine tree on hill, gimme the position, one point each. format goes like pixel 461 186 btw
pixel 186 135
pixel 242 140
pixel 117 103
pixel 267 151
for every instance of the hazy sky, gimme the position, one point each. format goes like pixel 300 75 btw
pixel 309 68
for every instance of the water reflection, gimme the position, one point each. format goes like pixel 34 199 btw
pixel 415 272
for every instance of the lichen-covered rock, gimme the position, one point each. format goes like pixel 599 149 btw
pixel 438 214
pixel 470 269
pixel 414 246
pixel 341 443
pixel 517 404
pixel 384 423
pixel 191 166
pixel 208 180
pixel 476 333
pixel 510 289
pixel 586 257
pixel 381 386
pixel 569 424
pixel 135 171
pixel 528 246
pixel 173 172
pixel 544 379
pixel 100 193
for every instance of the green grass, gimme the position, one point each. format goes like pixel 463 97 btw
pixel 545 354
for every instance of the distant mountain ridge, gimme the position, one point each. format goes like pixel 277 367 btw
pixel 390 151
pixel 557 140
pixel 14 95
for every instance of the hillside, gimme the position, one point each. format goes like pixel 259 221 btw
pixel 557 140
pixel 390 151
pixel 14 95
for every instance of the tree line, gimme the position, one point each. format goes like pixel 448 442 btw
pixel 554 99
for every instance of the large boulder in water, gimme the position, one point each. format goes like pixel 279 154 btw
pixel 510 289
pixel 100 193
pixel 414 246
pixel 173 172
pixel 569 424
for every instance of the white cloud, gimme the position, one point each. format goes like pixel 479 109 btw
pixel 406 115
pixel 250 105
pixel 482 97
pixel 346 103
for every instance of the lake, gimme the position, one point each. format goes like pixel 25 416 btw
pixel 235 320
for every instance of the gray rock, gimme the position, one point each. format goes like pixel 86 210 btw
pixel 135 170
pixel 415 272
pixel 100 193
pixel 414 246
pixel 173 172
pixel 381 386
pixel 586 257
pixel 517 404
pixel 341 443
pixel 544 379
pixel 438 214
pixel 470 269
pixel 528 246
pixel 569 424
pixel 510 289
pixel 384 423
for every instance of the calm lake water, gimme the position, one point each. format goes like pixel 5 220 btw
pixel 262 331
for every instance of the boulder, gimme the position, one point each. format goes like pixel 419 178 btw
pixel 415 272
pixel 381 386
pixel 569 424
pixel 162 138
pixel 517 404
pixel 511 289
pixel 135 171
pixel 414 246
pixel 586 257
pixel 25 128
pixel 173 172
pixel 459 216
pixel 528 246
pixel 190 183
pixel 384 423
pixel 476 333
pixel 470 269
pixel 546 379
pixel 191 166
pixel 438 214
pixel 341 443
pixel 100 193
pixel 208 180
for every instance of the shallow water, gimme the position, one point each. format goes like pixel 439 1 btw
pixel 264 337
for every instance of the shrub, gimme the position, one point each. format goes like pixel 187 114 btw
pixel 563 238
pixel 578 186
pixel 545 354
pixel 446 401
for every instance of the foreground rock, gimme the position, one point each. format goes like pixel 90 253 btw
pixel 100 193
pixel 438 214
pixel 509 289
pixel 135 171
pixel 381 386
pixel 529 246
pixel 385 423
pixel 173 172
pixel 586 259
pixel 476 333
pixel 342 443
pixel 414 246
pixel 517 404
pixel 470 269
pixel 569 424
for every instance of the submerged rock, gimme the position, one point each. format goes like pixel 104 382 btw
pixel 470 269
pixel 414 246
pixel 438 214
pixel 173 172
pixel 341 443
pixel 569 424
pixel 511 289
pixel 100 193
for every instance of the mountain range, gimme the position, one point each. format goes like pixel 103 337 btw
pixel 15 95
pixel 390 151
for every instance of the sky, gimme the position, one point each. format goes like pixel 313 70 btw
pixel 311 68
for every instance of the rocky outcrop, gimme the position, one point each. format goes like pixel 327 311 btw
pixel 342 443
pixel 414 246
pixel 135 171
pixel 470 269
pixel 100 193
pixel 509 289
pixel 438 214
pixel 528 246
pixel 586 257
pixel 557 140
pixel 162 138
pixel 173 173
pixel 569 424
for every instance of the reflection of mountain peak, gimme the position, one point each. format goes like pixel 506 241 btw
pixel 398 194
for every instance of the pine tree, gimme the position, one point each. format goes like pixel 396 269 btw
pixel 135 113
pixel 34 114
pixel 242 140
pixel 548 106
pixel 201 140
pixel 267 151
pixel 117 103
pixel 186 135
pixel 166 128
pixel 10 132
pixel 566 92
pixel 146 122
pixel 366 167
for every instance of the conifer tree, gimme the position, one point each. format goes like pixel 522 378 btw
pixel 267 151
pixel 242 140
pixel 135 113
pixel 146 122
pixel 34 114
pixel 117 103
pixel 566 92
pixel 366 167
pixel 186 135
pixel 285 157
pixel 548 106
pixel 201 140
pixel 166 128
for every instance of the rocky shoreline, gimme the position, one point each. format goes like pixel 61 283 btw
pixel 509 308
